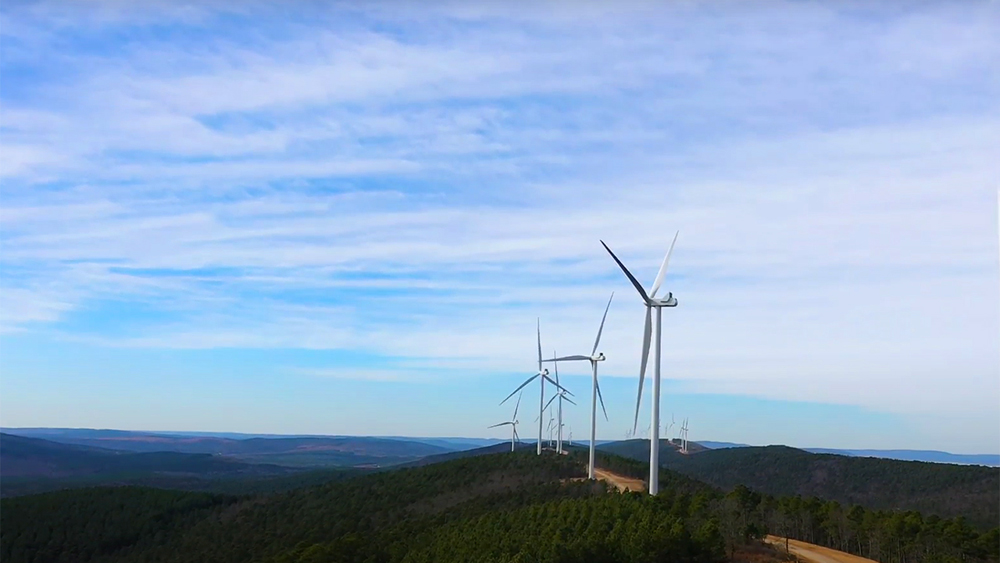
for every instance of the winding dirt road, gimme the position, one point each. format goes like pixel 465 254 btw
pixel 815 553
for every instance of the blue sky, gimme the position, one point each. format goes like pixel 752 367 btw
pixel 320 218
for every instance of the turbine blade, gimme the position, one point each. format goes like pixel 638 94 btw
pixel 642 366
pixel 555 366
pixel 516 405
pixel 600 330
pixel 599 396
pixel 501 424
pixel 557 385
pixel 568 400
pixel 550 402
pixel 568 358
pixel 631 278
pixel 663 268
pixel 516 437
pixel 539 344
pixel 521 386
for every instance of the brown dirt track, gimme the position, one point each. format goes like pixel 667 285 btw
pixel 815 553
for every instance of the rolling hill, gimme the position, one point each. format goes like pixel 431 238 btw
pixel 31 457
pixel 945 490
pixel 30 465
pixel 297 451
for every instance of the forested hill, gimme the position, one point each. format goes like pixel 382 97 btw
pixel 500 507
pixel 932 488
pixel 452 511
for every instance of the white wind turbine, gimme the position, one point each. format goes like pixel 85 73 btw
pixel 651 302
pixel 671 425
pixel 684 437
pixel 513 424
pixel 561 395
pixel 593 358
pixel 542 375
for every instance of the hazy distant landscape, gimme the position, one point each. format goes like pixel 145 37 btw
pixel 70 459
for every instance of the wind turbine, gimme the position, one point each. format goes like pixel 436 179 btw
pixel 513 424
pixel 669 427
pixel 593 358
pixel 651 302
pixel 542 375
pixel 561 395
pixel 684 437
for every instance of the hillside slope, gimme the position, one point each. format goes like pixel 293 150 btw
pixel 933 488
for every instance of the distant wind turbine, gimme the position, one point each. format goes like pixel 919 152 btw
pixel 651 302
pixel 593 358
pixel 684 437
pixel 561 395
pixel 513 424
pixel 542 375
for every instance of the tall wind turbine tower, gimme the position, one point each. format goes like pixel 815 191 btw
pixel 542 375
pixel 593 358
pixel 651 302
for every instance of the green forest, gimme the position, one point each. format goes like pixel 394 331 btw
pixel 498 507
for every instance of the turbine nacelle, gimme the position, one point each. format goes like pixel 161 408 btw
pixel 668 301
pixel 598 358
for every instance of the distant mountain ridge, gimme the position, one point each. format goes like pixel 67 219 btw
pixel 29 465
pixel 305 451
pixel 310 450
pixel 933 456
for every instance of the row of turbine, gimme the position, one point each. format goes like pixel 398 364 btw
pixel 681 433
pixel 651 302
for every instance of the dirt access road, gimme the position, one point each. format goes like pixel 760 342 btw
pixel 815 553
pixel 620 481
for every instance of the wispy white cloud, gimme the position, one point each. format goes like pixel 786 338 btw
pixel 421 184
